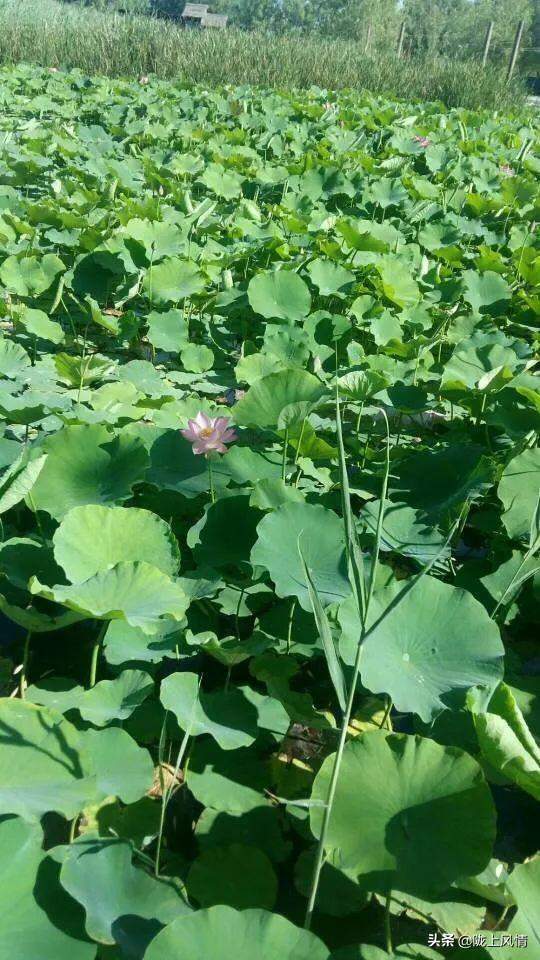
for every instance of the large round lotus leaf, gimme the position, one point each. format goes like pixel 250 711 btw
pixel 174 466
pixel 196 358
pixel 115 699
pixel 524 887
pixel 29 407
pixel 137 822
pixel 397 283
pixel 46 764
pixel 426 646
pixel 239 876
pixel 280 295
pixel 122 902
pixel 338 894
pixel 507 743
pixel 60 693
pixel 228 716
pixel 37 324
pixel 221 933
pixel 136 592
pixel 168 330
pixel 87 464
pixel 232 781
pixel 226 184
pixel 30 276
pixel 329 277
pixel 405 951
pixel 456 473
pixel 408 813
pixel 403 533
pixel 14 360
pixel 321 537
pixel 519 489
pixel 41 765
pixel 18 481
pixel 121 768
pixel 243 465
pixel 267 398
pixel 39 920
pixel 125 644
pixel 124 534
pixel 479 360
pixel 146 378
pixel 159 239
pixel 260 827
pixel 453 909
pixel 172 280
pixel 484 289
pixel 211 538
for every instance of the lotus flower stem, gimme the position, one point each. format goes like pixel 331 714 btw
pixel 211 481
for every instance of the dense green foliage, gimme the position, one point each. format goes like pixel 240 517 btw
pixel 54 34
pixel 453 28
pixel 352 283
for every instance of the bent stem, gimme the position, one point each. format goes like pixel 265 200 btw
pixel 364 603
pixel 211 481
pixel 95 653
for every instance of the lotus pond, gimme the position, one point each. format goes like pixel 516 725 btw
pixel 270 525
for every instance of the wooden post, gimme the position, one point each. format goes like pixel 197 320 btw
pixel 401 38
pixel 487 42
pixel 515 50
pixel 368 38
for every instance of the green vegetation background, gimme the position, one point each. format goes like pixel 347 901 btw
pixel 330 55
pixel 454 28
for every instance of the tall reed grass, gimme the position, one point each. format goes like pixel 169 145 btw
pixel 50 33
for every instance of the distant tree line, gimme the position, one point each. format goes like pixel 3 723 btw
pixel 447 27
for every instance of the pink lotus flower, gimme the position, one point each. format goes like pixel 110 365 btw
pixel 508 170
pixel 209 434
pixel 423 141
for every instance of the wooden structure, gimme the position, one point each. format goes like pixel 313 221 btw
pixel 198 15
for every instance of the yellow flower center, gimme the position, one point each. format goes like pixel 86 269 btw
pixel 207 432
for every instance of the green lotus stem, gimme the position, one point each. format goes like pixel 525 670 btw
pixel 482 409
pixel 284 460
pixel 73 828
pixel 299 443
pixel 366 447
pixel 359 417
pixel 319 856
pixel 237 614
pixel 290 624
pixel 211 481
pixel 526 557
pixel 95 653
pixel 387 924
pixel 166 794
pixel 24 669
pixel 387 712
